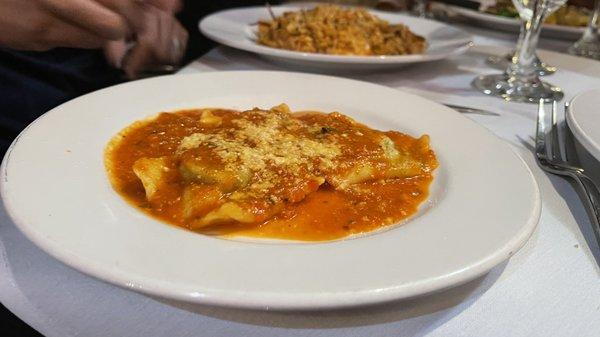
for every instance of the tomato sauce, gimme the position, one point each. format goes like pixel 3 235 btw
pixel 325 214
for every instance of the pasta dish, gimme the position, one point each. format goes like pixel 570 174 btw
pixel 270 173
pixel 329 29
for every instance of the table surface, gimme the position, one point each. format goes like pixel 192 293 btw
pixel 549 288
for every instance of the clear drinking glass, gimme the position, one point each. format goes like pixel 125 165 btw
pixel 589 44
pixel 520 81
pixel 502 61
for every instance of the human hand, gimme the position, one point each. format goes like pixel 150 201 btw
pixel 160 41
pixel 44 24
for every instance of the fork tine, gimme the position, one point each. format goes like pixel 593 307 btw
pixel 554 134
pixel 566 136
pixel 540 130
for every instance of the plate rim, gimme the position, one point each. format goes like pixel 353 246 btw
pixel 274 300
pixel 466 44
pixel 592 146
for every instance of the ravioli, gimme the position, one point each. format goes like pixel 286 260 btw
pixel 215 168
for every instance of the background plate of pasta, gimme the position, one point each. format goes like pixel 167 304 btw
pixel 329 36
pixel 567 23
pixel 268 190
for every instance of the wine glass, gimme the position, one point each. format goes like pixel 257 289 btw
pixel 520 81
pixel 589 44
pixel 502 61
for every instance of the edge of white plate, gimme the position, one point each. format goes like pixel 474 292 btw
pixel 275 301
pixel 588 143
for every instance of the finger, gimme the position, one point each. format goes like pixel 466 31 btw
pixel 63 34
pixel 90 16
pixel 157 34
pixel 170 6
pixel 131 10
pixel 141 57
pixel 182 38
pixel 172 39
pixel 150 31
pixel 165 30
pixel 162 42
pixel 143 54
pixel 115 52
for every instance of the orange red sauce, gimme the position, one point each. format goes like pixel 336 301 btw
pixel 326 214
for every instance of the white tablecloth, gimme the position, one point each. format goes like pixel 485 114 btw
pixel 549 288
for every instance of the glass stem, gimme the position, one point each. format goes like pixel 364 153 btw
pixel 523 65
pixel 519 41
pixel 420 8
pixel 591 30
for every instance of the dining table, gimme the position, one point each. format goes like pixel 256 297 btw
pixel 551 287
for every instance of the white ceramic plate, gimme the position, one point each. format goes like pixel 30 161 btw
pixel 484 202
pixel 583 118
pixel 498 22
pixel 237 28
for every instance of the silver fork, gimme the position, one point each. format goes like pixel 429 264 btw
pixel 551 158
